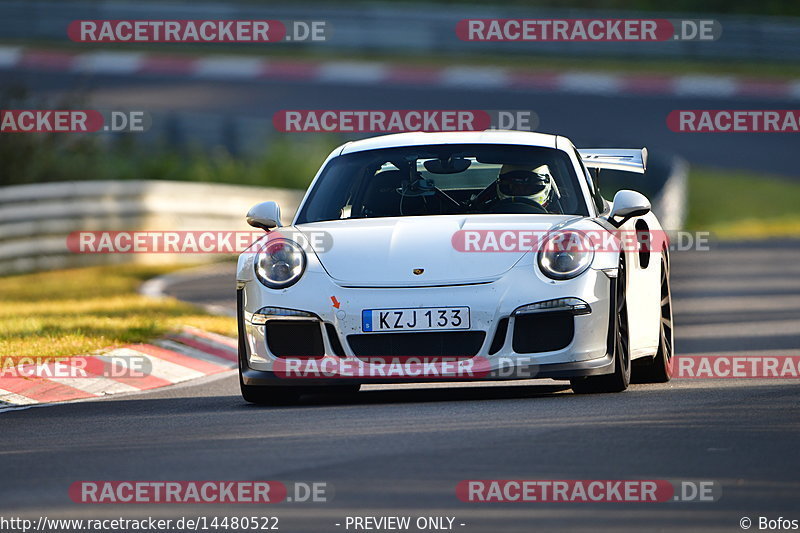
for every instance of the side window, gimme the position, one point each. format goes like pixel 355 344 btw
pixel 597 198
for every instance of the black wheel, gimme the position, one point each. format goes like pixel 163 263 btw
pixel 618 380
pixel 659 369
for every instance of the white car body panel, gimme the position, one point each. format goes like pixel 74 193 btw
pixel 644 296
pixel 399 244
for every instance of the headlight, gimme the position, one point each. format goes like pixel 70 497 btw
pixel 280 263
pixel 565 255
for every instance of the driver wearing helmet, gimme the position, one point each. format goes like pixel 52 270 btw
pixel 522 184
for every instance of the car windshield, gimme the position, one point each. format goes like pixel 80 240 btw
pixel 445 180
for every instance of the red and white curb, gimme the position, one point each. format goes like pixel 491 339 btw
pixel 182 356
pixel 375 73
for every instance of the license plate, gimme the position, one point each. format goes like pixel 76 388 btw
pixel 418 319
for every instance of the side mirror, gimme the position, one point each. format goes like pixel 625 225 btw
pixel 628 204
pixel 266 215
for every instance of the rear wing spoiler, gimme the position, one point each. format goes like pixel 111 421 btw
pixel 625 159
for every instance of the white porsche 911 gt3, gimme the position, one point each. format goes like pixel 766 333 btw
pixel 442 256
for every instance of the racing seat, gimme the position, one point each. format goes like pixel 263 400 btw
pixel 382 198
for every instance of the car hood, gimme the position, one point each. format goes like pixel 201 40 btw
pixel 384 252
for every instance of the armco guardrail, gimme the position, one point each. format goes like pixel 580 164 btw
pixel 412 28
pixel 669 203
pixel 35 220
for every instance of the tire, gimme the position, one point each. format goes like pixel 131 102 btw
pixel 618 380
pixel 659 369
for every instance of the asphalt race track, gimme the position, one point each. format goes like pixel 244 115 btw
pixel 397 450
pixel 587 119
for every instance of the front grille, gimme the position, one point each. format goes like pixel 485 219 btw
pixel 543 332
pixel 424 344
pixel 295 338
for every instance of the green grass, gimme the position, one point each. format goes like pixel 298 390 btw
pixel 743 204
pixel 79 311
pixel 38 159
pixel 288 160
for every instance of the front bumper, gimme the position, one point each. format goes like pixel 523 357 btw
pixel 492 306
